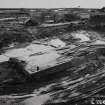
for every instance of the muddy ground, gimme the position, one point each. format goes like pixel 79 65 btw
pixel 81 51
pixel 78 84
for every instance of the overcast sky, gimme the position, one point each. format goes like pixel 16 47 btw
pixel 51 3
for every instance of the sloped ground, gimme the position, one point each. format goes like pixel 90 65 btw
pixel 83 50
pixel 75 85
pixel 84 79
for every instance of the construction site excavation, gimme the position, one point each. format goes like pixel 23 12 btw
pixel 52 56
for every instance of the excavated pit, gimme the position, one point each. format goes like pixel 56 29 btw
pixel 77 73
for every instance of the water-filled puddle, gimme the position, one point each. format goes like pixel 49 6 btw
pixel 35 54
pixel 57 43
pixel 99 42
pixel 82 35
